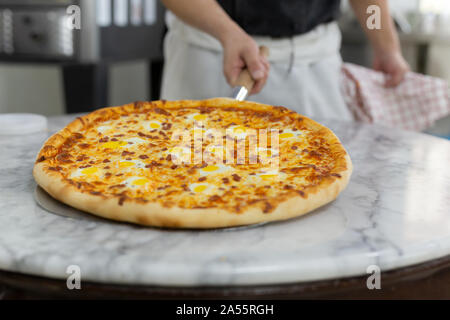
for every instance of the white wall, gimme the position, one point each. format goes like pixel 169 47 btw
pixel 128 82
pixel 31 88
pixel 39 88
pixel 404 5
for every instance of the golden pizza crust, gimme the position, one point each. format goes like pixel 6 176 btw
pixel 154 214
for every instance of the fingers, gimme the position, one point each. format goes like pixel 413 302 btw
pixel 240 55
pixel 377 65
pixel 259 67
pixel 254 62
pixel 397 74
pixel 394 79
pixel 393 65
pixel 232 66
pixel 259 84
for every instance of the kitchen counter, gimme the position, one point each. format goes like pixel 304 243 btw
pixel 394 213
pixel 354 34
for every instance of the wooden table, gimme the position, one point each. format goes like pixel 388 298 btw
pixel 429 280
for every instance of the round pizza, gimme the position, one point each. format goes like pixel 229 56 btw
pixel 194 164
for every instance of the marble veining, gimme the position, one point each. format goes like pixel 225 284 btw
pixel 395 212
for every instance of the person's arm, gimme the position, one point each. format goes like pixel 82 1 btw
pixel 385 42
pixel 240 50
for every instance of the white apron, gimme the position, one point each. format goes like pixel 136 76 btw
pixel 304 73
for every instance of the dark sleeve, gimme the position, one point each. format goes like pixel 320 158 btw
pixel 280 18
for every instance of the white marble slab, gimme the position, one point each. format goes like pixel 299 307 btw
pixel 395 212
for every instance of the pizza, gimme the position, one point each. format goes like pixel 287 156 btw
pixel 194 164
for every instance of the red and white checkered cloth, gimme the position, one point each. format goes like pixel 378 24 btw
pixel 415 104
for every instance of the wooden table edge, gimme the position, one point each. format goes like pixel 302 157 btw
pixel 429 280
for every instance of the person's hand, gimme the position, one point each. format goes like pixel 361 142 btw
pixel 393 65
pixel 241 51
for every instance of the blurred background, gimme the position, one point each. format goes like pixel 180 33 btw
pixel 116 56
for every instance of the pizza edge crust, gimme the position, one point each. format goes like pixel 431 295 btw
pixel 154 214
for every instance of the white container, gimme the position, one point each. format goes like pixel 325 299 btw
pixel 22 123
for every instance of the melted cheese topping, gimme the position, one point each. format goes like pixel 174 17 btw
pixel 133 156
